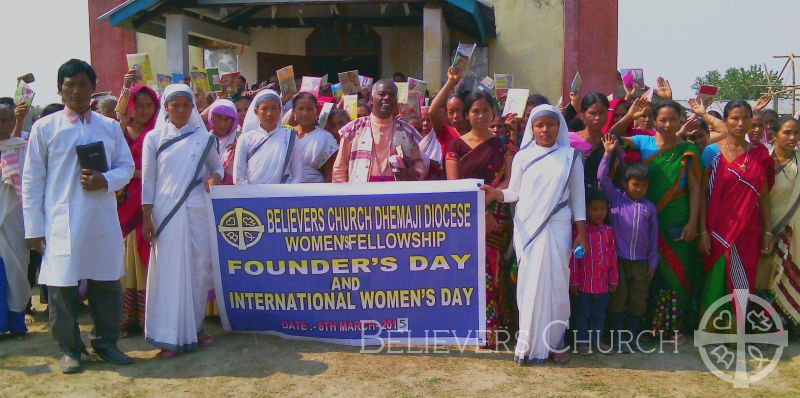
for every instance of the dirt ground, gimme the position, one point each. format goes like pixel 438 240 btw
pixel 264 366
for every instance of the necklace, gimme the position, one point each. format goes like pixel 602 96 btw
pixel 663 148
pixel 746 149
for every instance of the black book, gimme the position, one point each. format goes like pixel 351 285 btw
pixel 92 156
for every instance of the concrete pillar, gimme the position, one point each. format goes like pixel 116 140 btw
pixel 434 39
pixel 590 45
pixel 108 47
pixel 177 43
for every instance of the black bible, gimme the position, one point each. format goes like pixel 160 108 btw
pixel 92 156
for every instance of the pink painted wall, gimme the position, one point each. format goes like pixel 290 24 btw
pixel 590 45
pixel 108 46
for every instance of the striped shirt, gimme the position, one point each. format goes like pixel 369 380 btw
pixel 597 270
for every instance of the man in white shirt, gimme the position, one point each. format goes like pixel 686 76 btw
pixel 71 217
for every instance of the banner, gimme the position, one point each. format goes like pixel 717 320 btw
pixel 358 264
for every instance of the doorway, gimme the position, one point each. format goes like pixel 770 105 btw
pixel 333 50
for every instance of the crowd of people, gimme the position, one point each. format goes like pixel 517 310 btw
pixel 624 214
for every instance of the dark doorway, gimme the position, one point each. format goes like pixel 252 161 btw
pixel 333 50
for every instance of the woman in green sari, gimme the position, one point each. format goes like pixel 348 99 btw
pixel 674 171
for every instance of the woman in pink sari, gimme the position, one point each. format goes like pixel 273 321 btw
pixel 139 118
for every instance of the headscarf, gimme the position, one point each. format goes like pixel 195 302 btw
pixel 224 107
pixel 546 110
pixel 612 106
pixel 170 93
pixel 251 121
pixel 130 109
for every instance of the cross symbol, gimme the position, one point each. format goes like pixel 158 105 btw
pixel 240 229
pixel 740 298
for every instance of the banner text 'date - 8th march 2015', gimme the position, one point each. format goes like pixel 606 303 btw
pixel 352 263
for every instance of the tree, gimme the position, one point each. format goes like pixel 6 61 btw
pixel 738 83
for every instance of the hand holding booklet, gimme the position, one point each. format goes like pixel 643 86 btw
pixel 461 58
pixel 515 101
pixel 92 156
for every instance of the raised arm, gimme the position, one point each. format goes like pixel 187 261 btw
pixel 20 113
pixel 719 130
pixel 438 120
pixel 610 145
pixel 637 110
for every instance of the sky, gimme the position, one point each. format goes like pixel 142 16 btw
pixel 683 39
pixel 677 39
pixel 40 35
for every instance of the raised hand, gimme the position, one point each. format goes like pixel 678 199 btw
pixel 697 107
pixel 609 144
pixel 130 79
pixel 663 89
pixel 21 111
pixel 763 101
pixel 690 125
pixel 639 107
pixel 452 75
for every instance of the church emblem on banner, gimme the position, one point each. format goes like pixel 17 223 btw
pixel 240 228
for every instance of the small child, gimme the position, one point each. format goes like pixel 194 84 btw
pixel 594 275
pixel 634 220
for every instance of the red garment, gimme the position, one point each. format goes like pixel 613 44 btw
pixel 130 210
pixel 612 106
pixel 484 162
pixel 597 270
pixel 733 217
pixel 448 134
pixel 227 162
pixel 631 156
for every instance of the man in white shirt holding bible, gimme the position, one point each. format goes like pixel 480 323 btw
pixel 70 214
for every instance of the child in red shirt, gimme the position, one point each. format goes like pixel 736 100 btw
pixel 594 276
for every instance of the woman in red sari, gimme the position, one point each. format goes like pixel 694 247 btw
pixel 734 227
pixel 138 120
pixel 481 154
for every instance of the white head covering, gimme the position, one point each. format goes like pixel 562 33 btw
pixel 251 121
pixel 430 148
pixel 546 110
pixel 170 93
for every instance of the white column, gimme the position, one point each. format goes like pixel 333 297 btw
pixel 434 40
pixel 177 43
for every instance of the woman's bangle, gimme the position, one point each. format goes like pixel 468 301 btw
pixel 703 233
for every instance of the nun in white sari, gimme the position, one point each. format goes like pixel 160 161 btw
pixel 547 184
pixel 179 159
pixel 266 152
